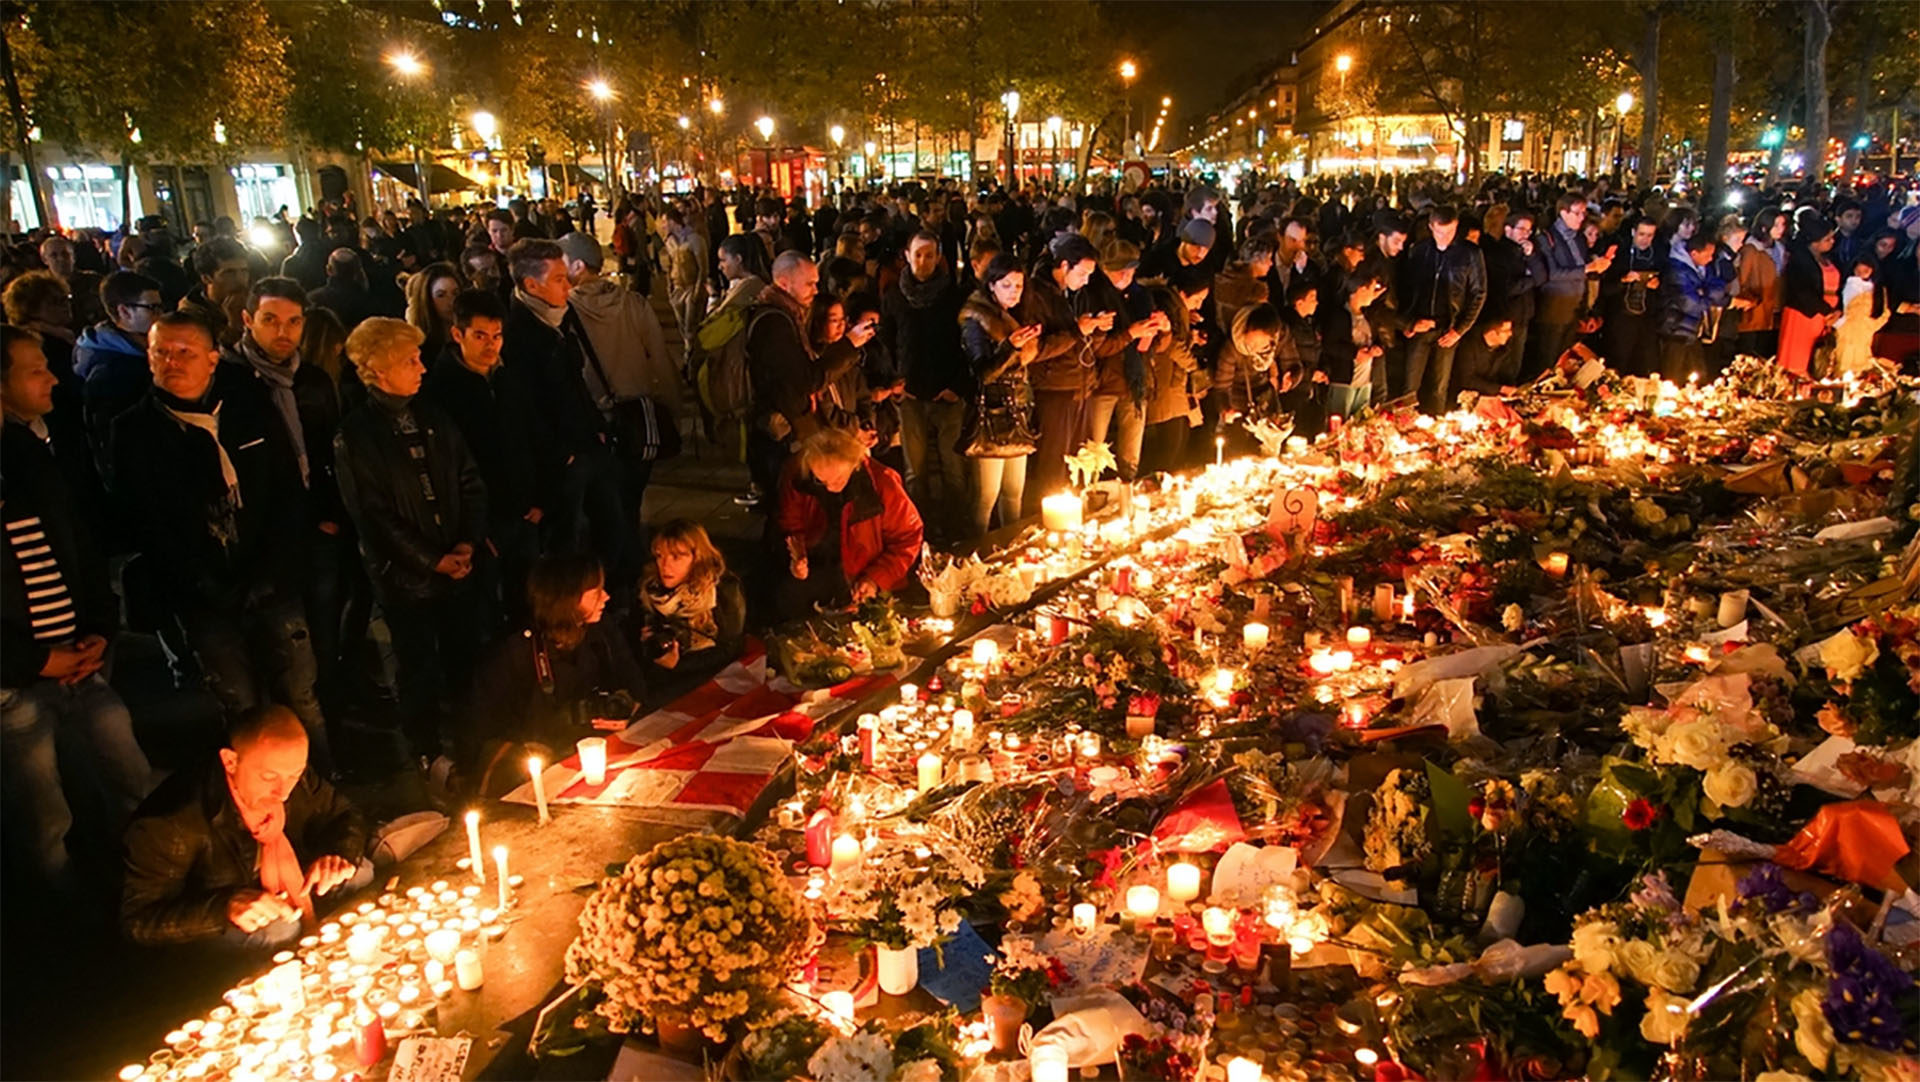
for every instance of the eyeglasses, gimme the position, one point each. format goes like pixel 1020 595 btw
pixel 145 307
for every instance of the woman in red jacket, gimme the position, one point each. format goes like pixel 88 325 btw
pixel 850 530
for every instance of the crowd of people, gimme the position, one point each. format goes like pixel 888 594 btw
pixel 449 421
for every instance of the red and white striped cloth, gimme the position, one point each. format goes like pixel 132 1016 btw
pixel 713 749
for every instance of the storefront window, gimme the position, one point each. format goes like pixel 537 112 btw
pixel 264 189
pixel 86 196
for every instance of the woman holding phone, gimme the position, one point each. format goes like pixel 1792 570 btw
pixel 1000 343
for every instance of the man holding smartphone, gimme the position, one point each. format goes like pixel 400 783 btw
pixel 920 324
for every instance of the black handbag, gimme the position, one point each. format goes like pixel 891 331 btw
pixel 643 428
pixel 1000 425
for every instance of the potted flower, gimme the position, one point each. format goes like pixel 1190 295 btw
pixel 1022 978
pixel 691 939
pixel 904 896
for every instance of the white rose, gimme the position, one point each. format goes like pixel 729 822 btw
pixel 1666 1019
pixel 1513 618
pixel 1847 655
pixel 1637 956
pixel 1696 744
pixel 1675 971
pixel 1593 945
pixel 1730 785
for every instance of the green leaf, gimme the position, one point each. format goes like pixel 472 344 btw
pixel 1450 797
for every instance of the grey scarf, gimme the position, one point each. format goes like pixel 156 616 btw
pixel 279 381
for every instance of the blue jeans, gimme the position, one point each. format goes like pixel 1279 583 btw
pixel 87 725
pixel 936 472
pixel 1427 371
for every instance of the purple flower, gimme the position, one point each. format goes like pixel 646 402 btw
pixel 1766 885
pixel 1863 999
pixel 1655 894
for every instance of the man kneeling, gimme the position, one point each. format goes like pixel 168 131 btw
pixel 218 850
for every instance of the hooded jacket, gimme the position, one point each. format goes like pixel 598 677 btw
pixel 1688 291
pixel 1170 362
pixel 1241 372
pixel 628 341
pixel 113 367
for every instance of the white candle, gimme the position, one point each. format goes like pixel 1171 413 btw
pixel 500 864
pixel 466 970
pixel 1242 1069
pixel 1085 918
pixel 442 945
pixel 1183 882
pixel 363 945
pixel 1321 662
pixel 1089 745
pixel 1223 681
pixel 846 853
pixel 1048 1063
pixel 1733 607
pixel 985 652
pixel 839 1004
pixel 929 772
pixel 909 694
pixel 1254 635
pixel 963 727
pixel 1218 922
pixel 1143 902
pixel 435 971
pixel 474 857
pixel 1358 636
pixel 1219 456
pixel 593 759
pixel 1342 660
pixel 1060 511
pixel 1383 602
pixel 534 769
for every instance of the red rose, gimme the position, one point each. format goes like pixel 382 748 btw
pixel 1640 814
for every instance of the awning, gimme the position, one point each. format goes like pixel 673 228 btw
pixel 571 175
pixel 442 178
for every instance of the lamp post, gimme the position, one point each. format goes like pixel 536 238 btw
pixel 764 126
pixel 1621 105
pixel 407 65
pixel 716 108
pixel 686 125
pixel 1053 128
pixel 602 92
pixel 870 147
pixel 1127 73
pixel 1011 99
pixel 839 135
pixel 486 127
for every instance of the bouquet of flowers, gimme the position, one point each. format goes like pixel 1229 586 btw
pixel 701 930
pixel 1872 674
pixel 1713 729
pixel 1767 983
pixel 1159 1058
pixel 1023 973
pixel 922 1051
pixel 782 1048
pixel 906 893
pixel 1396 841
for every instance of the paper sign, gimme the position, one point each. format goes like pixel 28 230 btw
pixel 1246 871
pixel 430 1059
pixel 1294 511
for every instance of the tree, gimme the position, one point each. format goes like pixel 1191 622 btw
pixel 1819 27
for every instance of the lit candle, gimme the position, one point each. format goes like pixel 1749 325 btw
pixel 1183 882
pixel 929 772
pixel 534 768
pixel 1089 745
pixel 1085 917
pixel 363 945
pixel 909 694
pixel 1342 660
pixel 869 729
pixel 963 727
pixel 1406 608
pixel 1557 564
pixel 1219 450
pixel 442 945
pixel 1321 662
pixel 1356 714
pixel 500 865
pixel 467 971
pixel 1143 902
pixel 1254 635
pixel 474 858
pixel 1218 922
pixel 1359 636
pixel 985 652
pixel 1383 602
pixel 839 1004
pixel 1242 1069
pixel 1048 1063
pixel 593 759
pixel 846 853
pixel 1698 654
pixel 1223 681
pixel 1060 511
pixel 1656 617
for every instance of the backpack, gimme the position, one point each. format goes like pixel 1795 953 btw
pixel 721 377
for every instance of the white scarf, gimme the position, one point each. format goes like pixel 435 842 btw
pixel 209 423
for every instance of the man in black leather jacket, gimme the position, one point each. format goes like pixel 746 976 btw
pixel 1443 284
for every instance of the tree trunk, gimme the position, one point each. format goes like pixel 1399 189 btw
pixel 1721 117
pixel 1819 29
pixel 17 107
pixel 1857 120
pixel 1648 63
pixel 126 192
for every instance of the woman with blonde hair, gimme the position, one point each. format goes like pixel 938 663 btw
pixel 693 612
pixel 430 296
pixel 848 529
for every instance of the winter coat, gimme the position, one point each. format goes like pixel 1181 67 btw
pixel 167 475
pixel 552 363
pixel 508 438
pixel 1455 277
pixel 1688 291
pixel 1067 359
pixel 1760 280
pixel 511 702
pixel 403 534
pixel 880 529
pixel 113 367
pixel 627 340
pixel 318 406
pixel 1565 286
pixel 1171 363
pixel 1803 285
pixel 919 322
pixel 36 483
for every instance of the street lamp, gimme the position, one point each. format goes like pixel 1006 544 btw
pixel 1621 105
pixel 407 65
pixel 839 135
pixel 602 92
pixel 1053 128
pixel 870 147
pixel 717 107
pixel 485 126
pixel 765 127
pixel 1011 99
pixel 1127 72
pixel 1343 63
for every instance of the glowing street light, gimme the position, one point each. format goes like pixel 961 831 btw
pixel 1128 70
pixel 765 127
pixel 838 134
pixel 1624 103
pixel 716 106
pixel 601 90
pixel 1166 103
pixel 405 63
pixel 685 122
pixel 484 125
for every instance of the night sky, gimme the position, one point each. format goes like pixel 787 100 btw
pixel 1203 51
